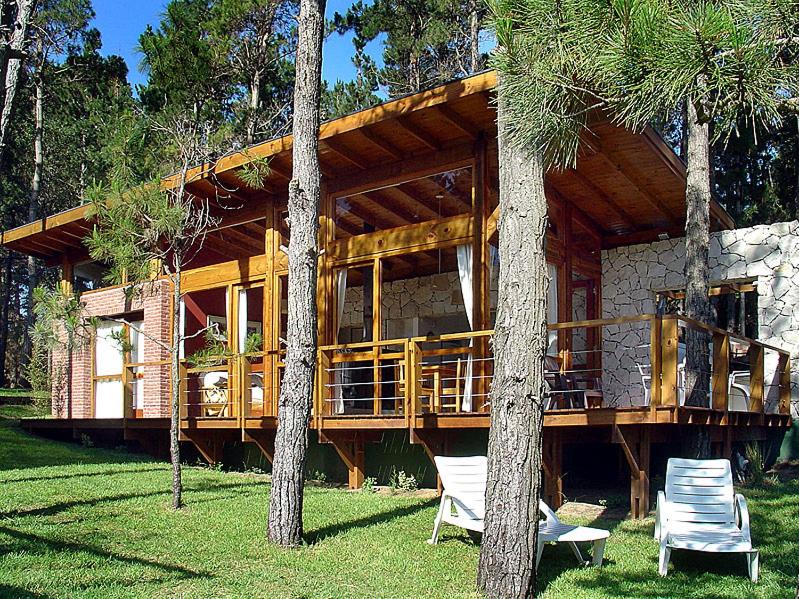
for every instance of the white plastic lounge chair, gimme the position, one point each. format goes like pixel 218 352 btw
pixel 700 511
pixel 464 482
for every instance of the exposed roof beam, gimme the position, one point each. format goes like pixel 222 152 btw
pixel 603 197
pixel 243 239
pixel 415 133
pixel 419 205
pixel 457 121
pixel 339 150
pixel 645 236
pixel 224 248
pixel 589 224
pixel 423 165
pixel 383 144
pixel 610 157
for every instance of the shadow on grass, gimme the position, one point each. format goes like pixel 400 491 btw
pixel 56 508
pixel 32 543
pixel 32 479
pixel 317 535
pixel 19 593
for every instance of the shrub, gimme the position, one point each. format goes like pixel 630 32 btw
pixel 400 481
pixel 369 484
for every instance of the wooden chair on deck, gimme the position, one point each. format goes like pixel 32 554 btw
pixel 450 392
pixel 400 383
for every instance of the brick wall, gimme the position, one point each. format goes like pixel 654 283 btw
pixel 77 373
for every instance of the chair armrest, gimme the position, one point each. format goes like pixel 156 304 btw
pixel 742 516
pixel 661 516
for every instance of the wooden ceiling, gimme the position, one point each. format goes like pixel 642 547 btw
pixel 628 187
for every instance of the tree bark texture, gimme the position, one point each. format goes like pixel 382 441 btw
pixel 33 206
pixel 508 551
pixel 5 303
pixel 474 36
pixel 697 273
pixel 16 46
pixel 174 413
pixel 296 390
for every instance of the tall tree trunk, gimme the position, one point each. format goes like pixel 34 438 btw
pixel 697 273
pixel 255 99
pixel 33 207
pixel 174 413
pixel 16 47
pixel 474 36
pixel 296 391
pixel 508 551
pixel 796 166
pixel 5 303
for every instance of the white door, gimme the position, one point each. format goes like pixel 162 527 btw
pixel 108 363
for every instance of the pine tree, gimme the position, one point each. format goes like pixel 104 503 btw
pixel 296 390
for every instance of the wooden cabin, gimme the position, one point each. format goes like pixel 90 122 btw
pixel 407 297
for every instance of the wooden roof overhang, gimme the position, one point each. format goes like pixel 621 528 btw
pixel 627 187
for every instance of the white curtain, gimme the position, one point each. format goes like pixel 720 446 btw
pixel 467 291
pixel 242 324
pixel 338 379
pixel 552 308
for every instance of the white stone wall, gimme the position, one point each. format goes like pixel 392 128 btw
pixel 632 275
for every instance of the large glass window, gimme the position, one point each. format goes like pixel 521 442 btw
pixel 429 198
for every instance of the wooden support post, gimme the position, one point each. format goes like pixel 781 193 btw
pixel 351 453
pixel 635 444
pixel 756 377
pixel 656 361
pixel 210 444
pixel 434 443
pixel 67 275
pixel 784 369
pixel 552 461
pixel 481 295
pixel 264 440
pixel 668 346
pixel 721 371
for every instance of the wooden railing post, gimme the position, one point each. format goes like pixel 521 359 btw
pixel 414 375
pixel 785 383
pixel 323 376
pixel 668 345
pixel 721 371
pixel 407 404
pixel 656 360
pixel 756 377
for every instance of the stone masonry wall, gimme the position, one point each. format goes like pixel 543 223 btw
pixel 155 304
pixel 631 276
pixel 407 299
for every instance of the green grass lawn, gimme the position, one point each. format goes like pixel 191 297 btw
pixel 87 522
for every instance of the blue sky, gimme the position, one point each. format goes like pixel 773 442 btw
pixel 121 23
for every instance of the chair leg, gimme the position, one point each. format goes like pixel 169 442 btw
pixel 753 563
pixel 433 540
pixel 599 551
pixel 576 552
pixel 663 559
pixel 538 553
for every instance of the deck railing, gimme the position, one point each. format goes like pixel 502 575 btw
pixel 231 387
pixel 633 361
